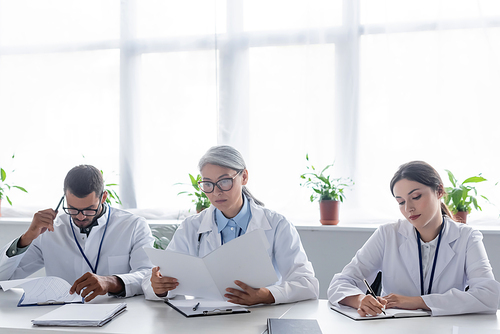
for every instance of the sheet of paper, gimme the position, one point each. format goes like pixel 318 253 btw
pixel 7 285
pixel 43 290
pixel 190 271
pixel 244 258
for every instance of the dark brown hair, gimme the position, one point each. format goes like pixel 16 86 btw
pixel 421 172
pixel 82 180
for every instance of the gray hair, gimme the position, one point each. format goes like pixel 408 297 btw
pixel 228 157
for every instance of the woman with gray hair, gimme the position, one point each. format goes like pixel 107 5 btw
pixel 234 212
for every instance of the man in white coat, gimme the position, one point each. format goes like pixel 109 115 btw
pixel 93 246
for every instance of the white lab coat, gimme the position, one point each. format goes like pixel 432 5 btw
pixel 121 254
pixel 462 261
pixel 295 272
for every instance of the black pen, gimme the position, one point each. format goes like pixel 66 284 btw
pixel 370 291
pixel 58 205
pixel 196 307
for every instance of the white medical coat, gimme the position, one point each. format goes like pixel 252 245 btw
pixel 295 272
pixel 121 254
pixel 393 249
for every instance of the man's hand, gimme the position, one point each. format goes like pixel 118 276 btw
pixel 249 296
pixel 404 302
pixel 161 284
pixel 42 221
pixel 91 285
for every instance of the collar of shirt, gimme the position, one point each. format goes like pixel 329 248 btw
pixel 86 230
pixel 241 219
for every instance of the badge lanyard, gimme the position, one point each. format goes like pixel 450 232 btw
pixel 94 270
pixel 433 264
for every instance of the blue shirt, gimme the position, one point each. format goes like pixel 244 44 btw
pixel 230 228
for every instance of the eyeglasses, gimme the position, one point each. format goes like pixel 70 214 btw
pixel 223 184
pixel 85 212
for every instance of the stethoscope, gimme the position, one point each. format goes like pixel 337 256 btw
pixel 433 265
pixel 94 270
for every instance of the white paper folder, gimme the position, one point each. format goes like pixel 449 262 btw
pixel 244 258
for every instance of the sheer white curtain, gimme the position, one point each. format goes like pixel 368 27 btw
pixel 143 88
pixel 429 77
pixel 59 89
pixel 256 75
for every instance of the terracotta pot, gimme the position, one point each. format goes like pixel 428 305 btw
pixel 329 212
pixel 461 217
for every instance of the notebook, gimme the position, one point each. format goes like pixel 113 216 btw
pixel 293 326
pixel 390 313
pixel 80 315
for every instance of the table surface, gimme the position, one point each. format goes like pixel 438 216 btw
pixel 144 316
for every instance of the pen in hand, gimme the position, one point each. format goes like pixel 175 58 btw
pixel 370 291
pixel 196 307
pixel 57 208
pixel 58 205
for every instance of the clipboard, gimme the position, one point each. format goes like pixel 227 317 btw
pixel 49 290
pixel 48 302
pixel 202 308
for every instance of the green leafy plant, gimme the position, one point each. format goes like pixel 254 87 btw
pixel 199 198
pixel 4 187
pixel 163 235
pixel 460 196
pixel 112 194
pixel 324 186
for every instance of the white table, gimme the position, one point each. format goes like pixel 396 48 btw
pixel 141 317
pixel 144 316
pixel 333 322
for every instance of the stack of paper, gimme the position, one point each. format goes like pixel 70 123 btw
pixel 43 291
pixel 80 315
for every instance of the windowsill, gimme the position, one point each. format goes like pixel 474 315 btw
pixel 490 225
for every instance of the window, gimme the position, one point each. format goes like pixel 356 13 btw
pixel 142 89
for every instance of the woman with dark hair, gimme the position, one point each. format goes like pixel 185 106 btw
pixel 427 260
pixel 234 212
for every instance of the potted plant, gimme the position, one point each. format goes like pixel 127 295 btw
pixel 461 197
pixel 112 194
pixel 329 191
pixel 200 199
pixel 4 187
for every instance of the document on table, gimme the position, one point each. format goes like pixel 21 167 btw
pixel 80 315
pixel 390 313
pixel 244 258
pixel 42 291
pixel 203 307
